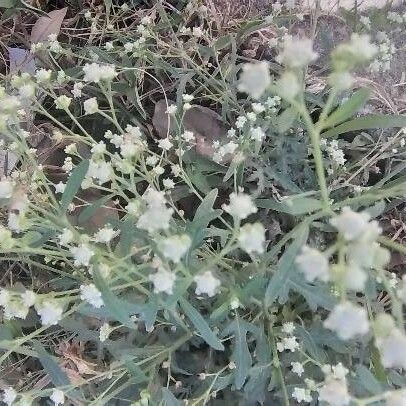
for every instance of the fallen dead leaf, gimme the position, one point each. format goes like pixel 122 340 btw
pixel 205 124
pixel 47 25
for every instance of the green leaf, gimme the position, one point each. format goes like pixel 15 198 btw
pixel 277 283
pixel 112 303
pixel 222 42
pixel 73 184
pixel 169 399
pixel 241 353
pixel 56 374
pixel 201 326
pixel 8 3
pixel 136 372
pixel 315 295
pixel 285 120
pixel 367 123
pixel 348 109
pixel 365 378
pixel 203 216
pixel 294 205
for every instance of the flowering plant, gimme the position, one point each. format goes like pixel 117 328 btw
pixel 204 258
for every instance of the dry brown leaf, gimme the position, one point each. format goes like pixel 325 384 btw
pixel 205 124
pixel 47 25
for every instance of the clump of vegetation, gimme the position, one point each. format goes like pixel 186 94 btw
pixel 185 222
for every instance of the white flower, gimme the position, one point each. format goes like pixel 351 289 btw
pixel 171 109
pixel 43 75
pixel 297 52
pixel 257 134
pixel 95 72
pixel 155 218
pixel 168 183
pixel 165 144
pixel 339 371
pixel 254 79
pixel 175 247
pixel 314 264
pixel 288 85
pixel 188 136
pixel 92 295
pixel 335 393
pixel 105 331
pixel 396 398
pixel 393 349
pixel 58 397
pixel 105 235
pixel 62 102
pixel 65 237
pixel 82 255
pixel 348 321
pixel 206 283
pixel 252 238
pixel 9 396
pixel 290 343
pixel 355 278
pixel 60 187
pixel 288 327
pixel 77 89
pixel 28 298
pixel 15 222
pixel 241 206
pixel 91 106
pixel 50 312
pixel 4 297
pixel 100 170
pixel 6 189
pixel 351 224
pixel 302 395
pixel 297 368
pixel 163 281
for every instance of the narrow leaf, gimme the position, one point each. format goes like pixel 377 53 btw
pixel 294 205
pixel 201 326
pixel 348 109
pixel 367 123
pixel 112 303
pixel 285 267
pixel 73 184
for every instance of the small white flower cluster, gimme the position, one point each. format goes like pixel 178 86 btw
pixel 335 153
pixel 90 294
pixel 296 52
pixel 96 73
pixel 175 247
pixel 396 17
pixel 16 305
pixel 10 395
pixel 362 253
pixel 334 390
pixel 131 144
pixel 357 51
pixel 206 283
pixel 254 79
pixel 386 50
pixel 157 215
pixel 163 280
pixel 251 238
pixel 240 206
pixel 224 152
pixel 289 342
pixel 391 342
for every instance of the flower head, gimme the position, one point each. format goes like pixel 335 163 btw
pixel 175 247
pixel 314 264
pixel 206 283
pixel 163 281
pixel 92 295
pixel 252 238
pixel 240 206
pixel 348 321
pixel 254 79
